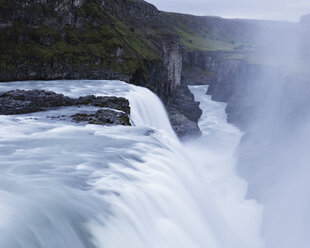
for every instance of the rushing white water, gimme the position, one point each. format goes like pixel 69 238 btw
pixel 69 185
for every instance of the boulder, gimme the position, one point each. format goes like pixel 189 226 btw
pixel 184 127
pixel 103 117
pixel 184 112
pixel 28 101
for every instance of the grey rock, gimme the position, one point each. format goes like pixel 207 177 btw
pixel 184 112
pixel 118 103
pixel 29 101
pixel 173 62
pixel 22 101
pixel 183 126
pixel 103 117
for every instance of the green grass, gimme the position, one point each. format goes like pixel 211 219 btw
pixel 195 35
pixel 26 45
pixel 102 41
pixel 194 41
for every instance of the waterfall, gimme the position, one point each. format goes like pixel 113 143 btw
pixel 148 110
pixel 84 186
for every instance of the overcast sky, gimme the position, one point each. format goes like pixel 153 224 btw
pixel 255 9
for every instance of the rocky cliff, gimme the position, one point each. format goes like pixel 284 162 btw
pixel 131 40
pixel 233 55
pixel 283 55
pixel 76 39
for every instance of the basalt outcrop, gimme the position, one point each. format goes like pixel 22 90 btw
pixel 184 112
pixel 113 110
pixel 102 117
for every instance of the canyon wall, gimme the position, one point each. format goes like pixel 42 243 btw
pixel 124 39
pixel 132 41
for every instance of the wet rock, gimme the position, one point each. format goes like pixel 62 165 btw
pixel 184 127
pixel 103 117
pixel 184 112
pixel 29 101
pixel 118 103
pixel 173 62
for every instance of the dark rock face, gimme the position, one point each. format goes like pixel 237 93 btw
pixel 92 39
pixel 59 71
pixel 23 101
pixel 235 84
pixel 230 80
pixel 112 102
pixel 203 66
pixel 245 88
pixel 103 117
pixel 184 127
pixel 184 112
pixel 68 40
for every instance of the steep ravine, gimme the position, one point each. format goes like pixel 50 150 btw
pixel 132 41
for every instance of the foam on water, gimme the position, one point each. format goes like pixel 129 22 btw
pixel 68 185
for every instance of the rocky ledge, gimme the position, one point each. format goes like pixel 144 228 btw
pixel 184 113
pixel 116 109
pixel 103 117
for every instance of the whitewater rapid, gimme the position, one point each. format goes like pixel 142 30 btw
pixel 84 186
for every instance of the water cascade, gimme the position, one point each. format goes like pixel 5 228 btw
pixel 68 185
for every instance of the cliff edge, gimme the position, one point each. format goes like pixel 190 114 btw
pixel 77 39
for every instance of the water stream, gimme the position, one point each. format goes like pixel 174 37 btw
pixel 69 185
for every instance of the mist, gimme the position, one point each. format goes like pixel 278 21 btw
pixel 125 126
pixel 289 10
pixel 274 153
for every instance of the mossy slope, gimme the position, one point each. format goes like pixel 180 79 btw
pixel 96 40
